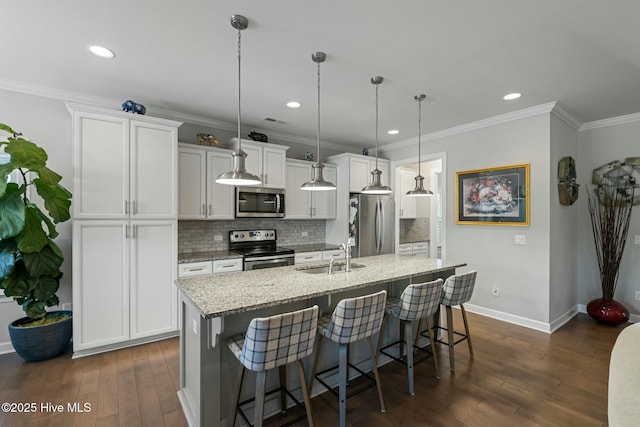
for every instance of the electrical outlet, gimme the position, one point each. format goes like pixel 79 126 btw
pixel 67 306
pixel 217 238
pixel 495 291
pixel 305 234
pixel 520 239
pixel 637 295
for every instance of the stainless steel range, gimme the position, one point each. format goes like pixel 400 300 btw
pixel 259 249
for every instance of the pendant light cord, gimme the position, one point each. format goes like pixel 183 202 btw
pixel 377 126
pixel 318 158
pixel 419 132
pixel 239 139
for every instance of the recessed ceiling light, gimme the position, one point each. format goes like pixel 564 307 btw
pixel 512 96
pixel 293 104
pixel 393 132
pixel 102 52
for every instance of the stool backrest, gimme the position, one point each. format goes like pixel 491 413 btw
pixel 356 318
pixel 278 340
pixel 419 300
pixel 458 289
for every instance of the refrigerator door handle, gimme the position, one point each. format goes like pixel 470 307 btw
pixel 381 221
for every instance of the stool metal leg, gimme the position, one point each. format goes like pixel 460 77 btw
pixel 406 337
pixel 450 336
pixel 374 361
pixel 283 383
pixel 235 407
pixel 305 392
pixel 466 329
pixel 260 391
pixel 342 380
pixel 433 346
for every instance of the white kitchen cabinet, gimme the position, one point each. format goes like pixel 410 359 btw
pixel 123 281
pixel 308 257
pixel 199 195
pixel 227 265
pixel 268 161
pixel 301 204
pixel 407 208
pixel 360 168
pixel 415 249
pixel 125 166
pixel 405 249
pixel 328 255
pixel 199 268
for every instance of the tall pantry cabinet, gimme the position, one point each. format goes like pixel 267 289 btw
pixel 125 211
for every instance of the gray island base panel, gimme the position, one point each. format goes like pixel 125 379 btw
pixel 216 307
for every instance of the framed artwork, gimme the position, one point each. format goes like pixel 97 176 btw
pixel 493 196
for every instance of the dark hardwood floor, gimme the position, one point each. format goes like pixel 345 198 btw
pixel 518 377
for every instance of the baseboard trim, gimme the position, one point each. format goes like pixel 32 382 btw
pixel 118 346
pixel 6 347
pixel 509 318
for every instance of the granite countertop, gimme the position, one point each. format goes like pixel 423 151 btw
pixel 313 247
pixel 206 256
pixel 225 294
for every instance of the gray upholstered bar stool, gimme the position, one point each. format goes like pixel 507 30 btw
pixel 275 342
pixel 420 300
pixel 352 320
pixel 457 290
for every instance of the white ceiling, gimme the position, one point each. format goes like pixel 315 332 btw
pixel 465 55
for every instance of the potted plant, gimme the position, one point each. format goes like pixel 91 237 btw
pixel 29 259
pixel 610 209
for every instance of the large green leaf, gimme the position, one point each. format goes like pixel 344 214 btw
pixel 43 262
pixel 12 211
pixel 57 199
pixel 50 226
pixel 7 257
pixel 5 170
pixel 18 284
pixel 33 237
pixel 49 176
pixel 46 289
pixel 25 154
pixel 7 129
pixel 34 309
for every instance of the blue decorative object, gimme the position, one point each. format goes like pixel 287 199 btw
pixel 37 343
pixel 133 107
pixel 365 151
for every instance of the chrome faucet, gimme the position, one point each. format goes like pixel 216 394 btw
pixel 330 267
pixel 347 251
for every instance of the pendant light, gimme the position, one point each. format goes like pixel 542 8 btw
pixel 376 186
pixel 419 191
pixel 317 182
pixel 238 175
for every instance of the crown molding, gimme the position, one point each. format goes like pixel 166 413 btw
pixel 613 121
pixel 563 114
pixel 480 124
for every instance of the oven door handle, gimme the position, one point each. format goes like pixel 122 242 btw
pixel 268 258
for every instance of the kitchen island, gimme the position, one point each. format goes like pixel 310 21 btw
pixel 216 307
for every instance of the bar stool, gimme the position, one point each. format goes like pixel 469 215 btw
pixel 274 342
pixel 352 320
pixel 457 290
pixel 420 300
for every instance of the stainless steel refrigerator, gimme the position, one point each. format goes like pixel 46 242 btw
pixel 371 224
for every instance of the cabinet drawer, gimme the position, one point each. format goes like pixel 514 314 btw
pixel 227 265
pixel 420 246
pixel 336 254
pixel 405 248
pixel 194 269
pixel 306 257
pixel 424 253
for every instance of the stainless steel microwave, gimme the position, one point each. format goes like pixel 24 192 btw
pixel 257 202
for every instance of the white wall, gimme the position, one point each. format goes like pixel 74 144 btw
pixel 563 231
pixel 595 148
pixel 520 272
pixel 47 123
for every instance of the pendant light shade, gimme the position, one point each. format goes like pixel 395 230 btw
pixel 419 191
pixel 376 187
pixel 238 175
pixel 317 182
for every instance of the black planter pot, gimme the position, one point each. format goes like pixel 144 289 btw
pixel 35 343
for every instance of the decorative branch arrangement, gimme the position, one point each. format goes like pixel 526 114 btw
pixel 610 211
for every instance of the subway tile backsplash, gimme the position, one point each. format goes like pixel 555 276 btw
pixel 199 236
pixel 414 230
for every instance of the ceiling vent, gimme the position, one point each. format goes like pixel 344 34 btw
pixel 272 120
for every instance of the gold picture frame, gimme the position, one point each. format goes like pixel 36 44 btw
pixel 493 196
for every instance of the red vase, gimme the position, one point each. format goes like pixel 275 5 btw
pixel 608 312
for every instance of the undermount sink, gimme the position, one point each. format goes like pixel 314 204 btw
pixel 324 269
